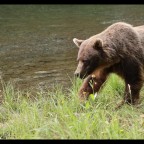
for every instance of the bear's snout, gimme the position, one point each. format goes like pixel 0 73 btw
pixel 76 74
pixel 79 75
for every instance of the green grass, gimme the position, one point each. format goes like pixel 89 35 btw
pixel 55 114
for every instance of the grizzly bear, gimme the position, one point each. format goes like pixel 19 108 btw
pixel 118 49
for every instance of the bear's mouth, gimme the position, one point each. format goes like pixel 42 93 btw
pixel 83 76
pixel 86 74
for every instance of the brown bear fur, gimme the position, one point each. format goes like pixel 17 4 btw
pixel 118 49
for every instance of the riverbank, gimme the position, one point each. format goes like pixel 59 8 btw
pixel 54 114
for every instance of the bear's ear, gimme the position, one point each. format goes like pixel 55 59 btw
pixel 98 44
pixel 77 42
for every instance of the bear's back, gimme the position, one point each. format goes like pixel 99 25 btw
pixel 140 30
pixel 118 32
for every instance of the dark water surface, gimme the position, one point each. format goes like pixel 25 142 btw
pixel 36 45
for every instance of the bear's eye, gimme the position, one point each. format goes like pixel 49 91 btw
pixel 85 62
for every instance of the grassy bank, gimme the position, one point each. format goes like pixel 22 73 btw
pixel 58 115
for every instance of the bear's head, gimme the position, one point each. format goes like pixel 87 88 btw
pixel 90 56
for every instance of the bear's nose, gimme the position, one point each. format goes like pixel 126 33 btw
pixel 77 74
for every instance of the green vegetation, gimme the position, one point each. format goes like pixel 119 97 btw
pixel 56 114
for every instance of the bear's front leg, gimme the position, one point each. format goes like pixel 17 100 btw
pixel 132 92
pixel 127 96
pixel 92 84
pixel 85 89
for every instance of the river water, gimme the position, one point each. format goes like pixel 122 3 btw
pixel 36 47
